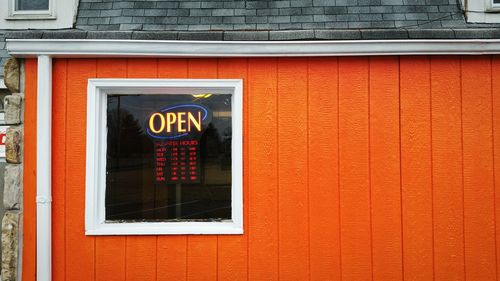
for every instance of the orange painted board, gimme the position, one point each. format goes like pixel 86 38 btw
pixel 385 169
pixel 202 250
pixel 59 84
pixel 354 185
pixel 80 260
pixel 232 249
pixel 323 169
pixel 29 172
pixel 479 203
pixel 172 250
pixel 495 68
pixel 110 250
pixel 292 170
pixel 263 170
pixel 416 180
pixel 447 168
pixel 141 251
pixel 354 168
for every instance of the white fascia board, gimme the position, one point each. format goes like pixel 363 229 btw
pixel 153 48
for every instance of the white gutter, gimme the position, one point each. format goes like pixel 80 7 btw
pixel 45 49
pixel 152 48
pixel 44 170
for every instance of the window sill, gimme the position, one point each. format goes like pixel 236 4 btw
pixel 31 17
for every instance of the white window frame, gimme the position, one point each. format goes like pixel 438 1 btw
pixel 31 14
pixel 492 7
pixel 98 89
pixel 481 11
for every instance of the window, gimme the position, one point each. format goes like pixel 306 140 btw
pixel 32 5
pixel 31 9
pixel 483 11
pixel 38 14
pixel 164 157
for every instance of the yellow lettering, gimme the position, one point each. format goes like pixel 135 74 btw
pixel 196 123
pixel 152 123
pixel 181 120
pixel 170 120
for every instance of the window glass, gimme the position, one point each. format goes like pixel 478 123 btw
pixel 496 1
pixel 32 5
pixel 168 157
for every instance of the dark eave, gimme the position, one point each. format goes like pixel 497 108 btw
pixel 281 35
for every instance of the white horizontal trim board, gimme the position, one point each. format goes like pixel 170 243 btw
pixel 153 48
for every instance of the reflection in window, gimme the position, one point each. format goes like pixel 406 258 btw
pixel 32 5
pixel 168 174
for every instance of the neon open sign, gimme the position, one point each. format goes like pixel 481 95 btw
pixel 178 121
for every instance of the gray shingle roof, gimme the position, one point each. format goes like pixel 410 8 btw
pixel 202 15
pixel 277 35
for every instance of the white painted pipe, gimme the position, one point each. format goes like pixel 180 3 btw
pixel 44 170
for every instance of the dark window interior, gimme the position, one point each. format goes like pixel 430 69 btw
pixel 135 192
pixel 32 5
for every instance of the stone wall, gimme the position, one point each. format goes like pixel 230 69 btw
pixel 13 183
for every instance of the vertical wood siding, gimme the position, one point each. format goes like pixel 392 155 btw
pixel 366 168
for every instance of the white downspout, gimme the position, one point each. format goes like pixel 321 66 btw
pixel 44 170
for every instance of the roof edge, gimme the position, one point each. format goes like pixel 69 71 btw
pixel 280 35
pixel 174 48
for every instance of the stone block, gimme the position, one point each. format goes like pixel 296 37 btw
pixel 13 145
pixel 11 75
pixel 13 109
pixel 12 187
pixel 10 245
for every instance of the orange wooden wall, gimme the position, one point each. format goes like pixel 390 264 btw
pixel 380 168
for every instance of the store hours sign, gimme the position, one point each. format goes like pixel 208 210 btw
pixel 176 131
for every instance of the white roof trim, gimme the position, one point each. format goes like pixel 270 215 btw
pixel 153 48
pixel 2 84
